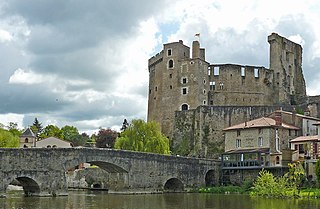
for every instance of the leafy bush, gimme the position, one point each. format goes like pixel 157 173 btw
pixel 267 185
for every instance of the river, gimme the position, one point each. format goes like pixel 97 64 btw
pixel 97 199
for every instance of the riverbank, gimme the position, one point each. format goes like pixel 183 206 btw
pixel 302 193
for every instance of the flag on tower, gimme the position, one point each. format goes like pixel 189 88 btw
pixel 197 34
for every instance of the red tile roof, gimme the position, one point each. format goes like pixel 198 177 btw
pixel 305 139
pixel 260 123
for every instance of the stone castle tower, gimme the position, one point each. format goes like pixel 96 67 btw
pixel 286 62
pixel 178 82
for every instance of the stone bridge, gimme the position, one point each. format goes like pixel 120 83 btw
pixel 42 171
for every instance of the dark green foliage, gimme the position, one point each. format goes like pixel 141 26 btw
pixel 125 125
pixel 318 171
pixel 36 127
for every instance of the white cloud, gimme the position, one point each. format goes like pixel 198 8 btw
pixel 21 76
pixel 5 119
pixel 297 39
pixel 5 36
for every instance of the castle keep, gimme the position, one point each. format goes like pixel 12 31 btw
pixel 195 100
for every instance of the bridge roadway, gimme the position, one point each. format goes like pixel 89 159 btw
pixel 42 171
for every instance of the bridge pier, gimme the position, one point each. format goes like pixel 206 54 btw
pixel 39 184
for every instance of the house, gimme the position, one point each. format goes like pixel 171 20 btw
pixel 256 144
pixel 304 121
pixel 27 139
pixel 308 150
pixel 52 142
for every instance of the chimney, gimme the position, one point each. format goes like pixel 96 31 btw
pixel 278 118
pixel 307 112
pixel 195 49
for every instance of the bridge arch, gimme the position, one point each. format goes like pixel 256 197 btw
pixel 29 185
pixel 210 178
pixel 173 185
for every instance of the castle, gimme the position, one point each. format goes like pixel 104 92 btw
pixel 194 100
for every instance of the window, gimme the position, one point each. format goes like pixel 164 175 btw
pixel 209 71
pixel 287 56
pixel 26 140
pixel 204 91
pixel 184 80
pixel 256 73
pixel 184 90
pixel 212 85
pixel 238 143
pixel 204 102
pixel 221 85
pixel 204 81
pixel 170 76
pixel 170 86
pixel 301 149
pixel 169 52
pixel 260 130
pixel 170 64
pixel 156 89
pixel 184 107
pixel 260 141
pixel 238 132
pixel 243 71
pixel 211 102
pixel 216 70
pixel 277 160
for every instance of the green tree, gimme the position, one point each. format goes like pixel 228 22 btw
pixel 143 137
pixel 13 128
pixel 51 130
pixel 125 125
pixel 36 127
pixel 69 132
pixel 296 174
pixel 318 171
pixel 7 139
pixel 79 140
pixel 106 138
pixel 266 185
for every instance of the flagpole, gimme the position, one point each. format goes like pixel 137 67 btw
pixel 198 35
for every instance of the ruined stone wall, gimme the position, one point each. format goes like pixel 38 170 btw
pixel 236 85
pixel 286 62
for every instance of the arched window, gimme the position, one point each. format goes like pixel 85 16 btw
pixel 170 64
pixel 277 160
pixel 26 140
pixel 184 107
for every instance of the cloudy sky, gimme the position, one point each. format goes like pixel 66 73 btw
pixel 84 63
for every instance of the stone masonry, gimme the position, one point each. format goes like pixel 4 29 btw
pixel 194 100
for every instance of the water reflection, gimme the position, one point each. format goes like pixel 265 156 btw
pixel 87 199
